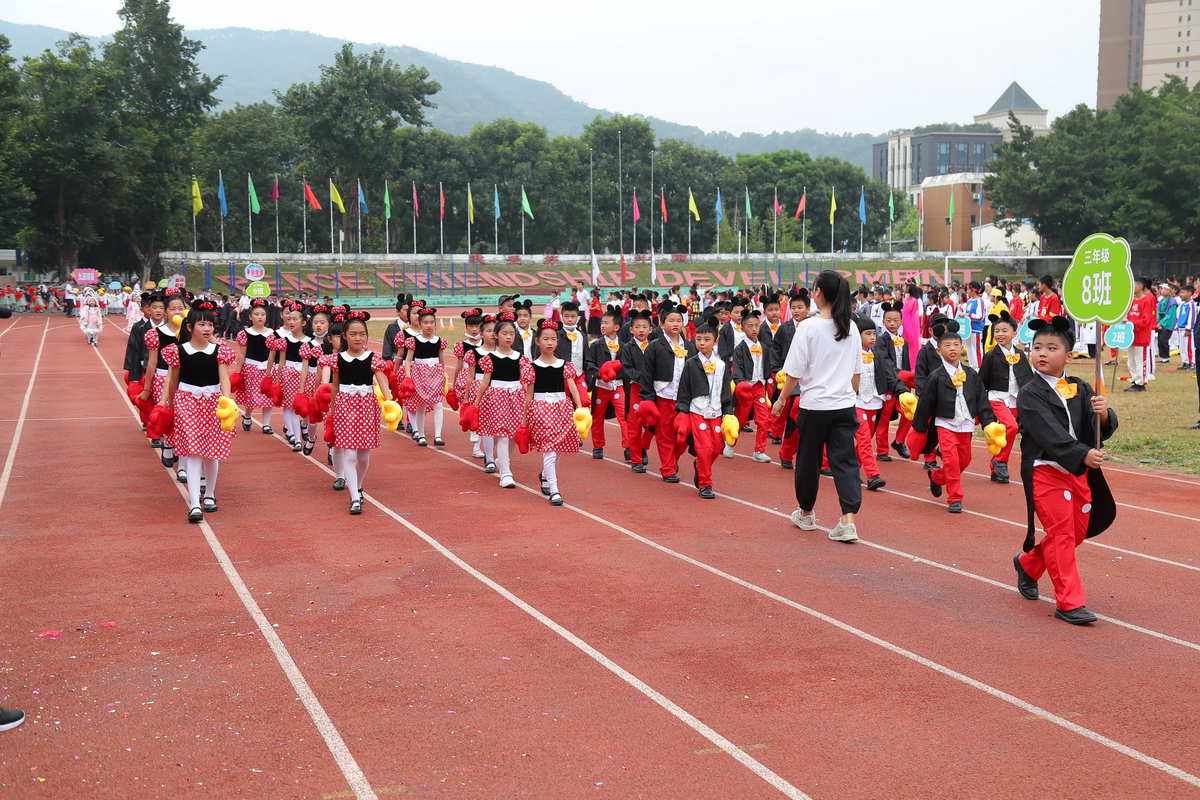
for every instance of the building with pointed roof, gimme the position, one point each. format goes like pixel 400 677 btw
pixel 1016 101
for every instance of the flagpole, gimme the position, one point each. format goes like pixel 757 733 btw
pixel 441 222
pixel 689 217
pixel 635 226
pixel 276 192
pixel 195 245
pixel 746 224
pixel 387 225
pixel 221 183
pixel 591 202
pixel 414 215
pixel 496 215
pixel 304 213
pixel 832 200
pixel 652 204
pixel 249 213
pixel 662 222
pixel 775 225
pixel 331 251
pixel 470 211
pixel 804 236
pixel 717 217
pixel 358 202
pixel 620 197
pixel 522 215
pixel 861 222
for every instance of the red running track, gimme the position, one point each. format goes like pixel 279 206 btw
pixel 464 641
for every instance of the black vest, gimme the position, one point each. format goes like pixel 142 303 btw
pixel 428 349
pixel 355 372
pixel 549 379
pixel 507 369
pixel 198 368
pixel 256 345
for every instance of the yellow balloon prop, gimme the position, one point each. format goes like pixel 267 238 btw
pixel 393 415
pixel 583 422
pixel 997 437
pixel 730 429
pixel 227 412
pixel 908 404
pixel 780 379
pixel 378 393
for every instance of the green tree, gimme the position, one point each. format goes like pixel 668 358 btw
pixel 14 211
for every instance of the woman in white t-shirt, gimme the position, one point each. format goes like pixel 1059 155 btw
pixel 823 361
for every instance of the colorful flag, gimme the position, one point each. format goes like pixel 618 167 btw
pixel 313 202
pixel 197 200
pixel 335 198
pixel 387 201
pixel 274 196
pixel 662 204
pixel 362 200
pixel 470 206
pixel 525 207
pixel 637 211
pixel 891 207
pixel 950 213
pixel 832 203
pixel 416 203
pixel 595 269
pixel 496 200
pixel 778 209
pixel 862 205
pixel 748 214
pixel 802 206
pixel 441 203
pixel 255 208
pixel 221 195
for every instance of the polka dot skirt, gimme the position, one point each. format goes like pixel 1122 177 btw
pixel 355 422
pixel 430 380
pixel 501 411
pixel 291 385
pixel 197 430
pixel 250 395
pixel 552 428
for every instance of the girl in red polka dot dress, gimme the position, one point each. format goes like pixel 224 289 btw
pixel 485 448
pixel 254 362
pixel 554 397
pixel 316 328
pixel 290 372
pixel 199 377
pixel 160 336
pixel 462 378
pixel 354 411
pixel 423 363
pixel 502 395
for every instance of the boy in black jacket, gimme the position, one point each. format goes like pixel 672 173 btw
pixel 1004 370
pixel 135 347
pixel 641 412
pixel 952 401
pixel 604 383
pixel 395 326
pixel 1060 467
pixel 751 373
pixel 703 400
pixel 889 345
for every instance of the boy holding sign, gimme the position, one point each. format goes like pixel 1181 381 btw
pixel 1064 487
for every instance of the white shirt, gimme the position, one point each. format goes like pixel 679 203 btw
pixel 963 422
pixel 868 394
pixel 526 335
pixel 612 354
pixel 709 406
pixel 576 348
pixel 1009 396
pixel 1053 381
pixel 823 367
pixel 671 390
pixel 756 375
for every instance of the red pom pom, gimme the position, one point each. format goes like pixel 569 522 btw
pixel 302 405
pixel 405 390
pixel 160 422
pixel 389 368
pixel 452 398
pixel 328 436
pixel 522 439
pixel 683 426
pixel 323 397
pixel 276 394
pixel 916 443
pixel 647 413
pixel 609 370
pixel 909 377
pixel 468 418
pixel 133 390
pixel 265 384
pixel 237 382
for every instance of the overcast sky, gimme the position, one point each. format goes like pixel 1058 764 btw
pixel 837 65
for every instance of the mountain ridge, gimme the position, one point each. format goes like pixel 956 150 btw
pixel 287 56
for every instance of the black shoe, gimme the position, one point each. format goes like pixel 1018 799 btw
pixel 901 450
pixel 1195 427
pixel 785 464
pixel 1000 473
pixel 209 504
pixel 1135 387
pixel 268 430
pixel 10 718
pixel 670 479
pixel 308 448
pixel 195 515
pixel 181 475
pixel 748 428
pixel 1027 587
pixel 245 423
pixel 955 507
pixel 882 457
pixel 356 506
pixel 439 441
pixel 598 453
pixel 625 454
pixel 645 456
pixel 545 486
pixel 339 484
pixel 876 483
pixel 707 493
pixel 288 438
pixel 489 467
pixel 775 440
pixel 165 461
pixel 1076 616
pixel 556 499
pixel 934 489
pixel 828 473
pixel 297 446
pixel 930 466
pixel 422 441
pixel 640 469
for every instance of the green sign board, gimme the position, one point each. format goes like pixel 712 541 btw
pixel 258 289
pixel 1098 285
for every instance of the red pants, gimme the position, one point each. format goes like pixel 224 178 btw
pixel 665 435
pixel 605 398
pixel 708 443
pixel 1063 504
pixel 791 441
pixel 758 408
pixel 956 457
pixel 636 436
pixel 1008 418
pixel 881 429
pixel 867 418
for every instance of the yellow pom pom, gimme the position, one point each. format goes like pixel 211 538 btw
pixel 730 429
pixel 780 379
pixel 908 404
pixel 997 437
pixel 378 393
pixel 176 320
pixel 583 422
pixel 392 414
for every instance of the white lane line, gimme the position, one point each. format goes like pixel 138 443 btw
pixel 62 419
pixel 664 702
pixel 953 674
pixel 6 473
pixel 333 739
pixel 11 325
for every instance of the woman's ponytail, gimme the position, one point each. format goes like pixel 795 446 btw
pixel 835 289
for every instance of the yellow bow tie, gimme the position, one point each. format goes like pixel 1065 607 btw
pixel 613 347
pixel 898 341
pixel 710 367
pixel 773 327
pixel 1066 390
pixel 680 352
pixel 1012 358
pixel 643 345
pixel 737 327
pixel 756 349
pixel 572 335
pixel 868 358
pixel 959 378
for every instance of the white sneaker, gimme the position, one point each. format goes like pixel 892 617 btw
pixel 805 522
pixel 727 452
pixel 844 532
pixel 507 482
pixel 762 458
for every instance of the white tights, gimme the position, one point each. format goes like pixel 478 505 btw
pixel 550 471
pixel 501 445
pixel 196 466
pixel 489 448
pixel 418 420
pixel 352 466
pixel 291 423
